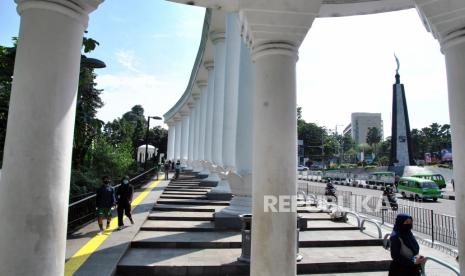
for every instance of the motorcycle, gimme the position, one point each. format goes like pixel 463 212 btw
pixel 391 199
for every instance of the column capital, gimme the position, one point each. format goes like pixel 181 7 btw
pixel 285 21
pixel 217 36
pixel 183 113
pixel 451 39
pixel 77 9
pixel 201 83
pixel 191 105
pixel 444 19
pixel 209 64
pixel 196 97
pixel 274 48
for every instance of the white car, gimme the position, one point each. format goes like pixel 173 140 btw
pixel 302 168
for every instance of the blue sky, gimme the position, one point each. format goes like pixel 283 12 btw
pixel 345 64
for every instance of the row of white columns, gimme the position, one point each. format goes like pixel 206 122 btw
pixel 208 132
pixel 237 95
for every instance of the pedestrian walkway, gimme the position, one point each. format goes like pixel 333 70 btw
pixel 180 238
pixel 177 236
pixel 88 253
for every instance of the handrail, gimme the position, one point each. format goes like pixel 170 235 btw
pixel 387 241
pixel 380 232
pixel 441 262
pixel 116 186
pixel 357 216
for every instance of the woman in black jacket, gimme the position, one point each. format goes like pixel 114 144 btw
pixel 124 199
pixel 404 249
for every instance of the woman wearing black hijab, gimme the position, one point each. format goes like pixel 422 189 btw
pixel 404 249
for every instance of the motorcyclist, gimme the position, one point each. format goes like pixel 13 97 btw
pixel 330 191
pixel 391 197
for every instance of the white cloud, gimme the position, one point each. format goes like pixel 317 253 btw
pixel 127 58
pixel 122 91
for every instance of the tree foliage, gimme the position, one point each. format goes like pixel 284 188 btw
pixel 98 148
pixel 431 139
pixel 373 136
pixel 7 61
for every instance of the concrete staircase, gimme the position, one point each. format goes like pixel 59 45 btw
pixel 179 238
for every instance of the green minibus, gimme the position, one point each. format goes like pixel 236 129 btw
pixel 381 178
pixel 418 188
pixel 437 178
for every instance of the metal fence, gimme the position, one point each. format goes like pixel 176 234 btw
pixel 438 227
pixel 83 211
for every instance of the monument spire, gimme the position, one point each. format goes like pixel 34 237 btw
pixel 397 69
pixel 401 151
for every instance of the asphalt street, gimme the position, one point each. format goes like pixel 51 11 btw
pixel 442 206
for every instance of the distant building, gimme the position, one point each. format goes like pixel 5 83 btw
pixel 360 122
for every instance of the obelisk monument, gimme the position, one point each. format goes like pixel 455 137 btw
pixel 401 144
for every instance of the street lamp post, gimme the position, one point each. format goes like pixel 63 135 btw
pixel 147 139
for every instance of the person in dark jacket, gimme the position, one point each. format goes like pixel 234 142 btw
pixel 167 169
pixel 177 169
pixel 105 202
pixel 124 197
pixel 404 249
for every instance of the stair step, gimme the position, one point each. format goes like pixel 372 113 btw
pixel 318 225
pixel 187 208
pixel 187 190
pixel 182 226
pixel 223 261
pixel 193 202
pixel 233 239
pixel 160 239
pixel 183 196
pixel 315 216
pixel 184 193
pixel 177 187
pixel 174 215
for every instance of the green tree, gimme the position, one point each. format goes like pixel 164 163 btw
pixel 87 125
pixel 373 136
pixel 7 61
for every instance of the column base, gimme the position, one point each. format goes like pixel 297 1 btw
pixel 211 181
pixel 204 173
pixel 221 192
pixel 201 175
pixel 228 218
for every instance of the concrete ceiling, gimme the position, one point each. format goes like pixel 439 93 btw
pixel 335 8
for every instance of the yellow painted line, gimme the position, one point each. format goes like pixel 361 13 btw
pixel 81 256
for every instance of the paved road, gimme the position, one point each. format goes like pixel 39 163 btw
pixel 442 206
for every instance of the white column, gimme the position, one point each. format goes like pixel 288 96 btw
pixel 184 135
pixel 196 144
pixel 233 53
pixel 218 38
pixel 190 147
pixel 177 139
pixel 444 19
pixel 209 116
pixel 274 160
pixel 171 134
pixel 454 51
pixel 34 188
pixel 203 118
pixel 240 180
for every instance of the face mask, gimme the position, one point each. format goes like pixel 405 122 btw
pixel 106 181
pixel 406 227
pixel 125 181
